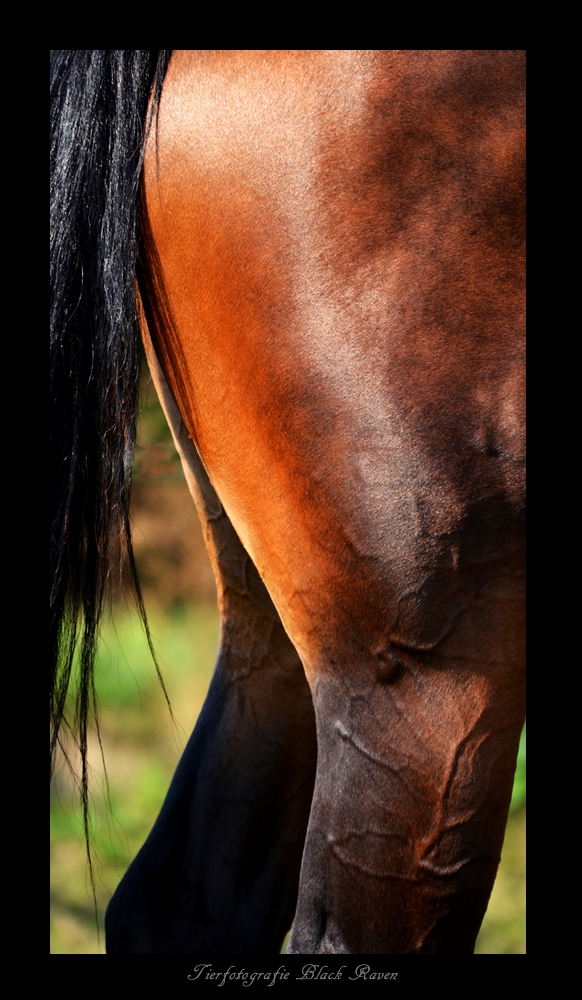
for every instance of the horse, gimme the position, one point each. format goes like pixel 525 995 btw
pixel 323 253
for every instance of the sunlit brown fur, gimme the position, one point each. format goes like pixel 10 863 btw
pixel 338 239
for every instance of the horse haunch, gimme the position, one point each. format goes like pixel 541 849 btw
pixel 331 278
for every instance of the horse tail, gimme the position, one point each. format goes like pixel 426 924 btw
pixel 102 104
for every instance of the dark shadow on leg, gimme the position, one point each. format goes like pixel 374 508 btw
pixel 219 873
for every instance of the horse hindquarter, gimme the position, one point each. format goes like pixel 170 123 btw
pixel 339 238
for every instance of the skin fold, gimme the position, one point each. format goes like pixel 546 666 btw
pixel 335 298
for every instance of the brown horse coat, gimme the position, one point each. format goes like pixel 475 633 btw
pixel 334 290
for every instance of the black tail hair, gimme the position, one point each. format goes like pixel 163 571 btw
pixel 102 104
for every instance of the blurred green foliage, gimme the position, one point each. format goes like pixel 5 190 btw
pixel 141 747
pixel 503 928
pixel 518 796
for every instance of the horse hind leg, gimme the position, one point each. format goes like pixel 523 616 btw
pixel 219 872
pixel 416 757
